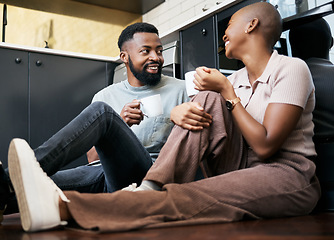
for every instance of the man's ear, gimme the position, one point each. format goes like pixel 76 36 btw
pixel 252 25
pixel 124 56
pixel 331 43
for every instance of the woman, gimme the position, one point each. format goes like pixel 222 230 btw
pixel 256 156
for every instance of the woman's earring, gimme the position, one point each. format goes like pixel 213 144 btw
pixel 246 31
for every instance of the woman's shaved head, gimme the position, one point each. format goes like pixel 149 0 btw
pixel 270 21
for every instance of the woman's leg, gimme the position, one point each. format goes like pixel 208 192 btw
pixel 217 149
pixel 261 191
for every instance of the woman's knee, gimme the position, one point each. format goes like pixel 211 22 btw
pixel 208 97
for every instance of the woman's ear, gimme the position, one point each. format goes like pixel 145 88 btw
pixel 252 25
pixel 124 56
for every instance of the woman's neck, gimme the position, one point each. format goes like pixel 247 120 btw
pixel 256 63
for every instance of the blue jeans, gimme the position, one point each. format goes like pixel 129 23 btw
pixel 124 160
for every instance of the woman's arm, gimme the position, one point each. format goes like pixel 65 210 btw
pixel 279 119
pixel 265 139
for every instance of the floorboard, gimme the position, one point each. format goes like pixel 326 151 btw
pixel 315 226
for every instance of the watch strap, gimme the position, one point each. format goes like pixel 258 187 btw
pixel 233 102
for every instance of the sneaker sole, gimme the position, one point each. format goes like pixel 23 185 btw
pixel 15 162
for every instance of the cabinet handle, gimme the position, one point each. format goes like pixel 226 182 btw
pixel 18 60
pixel 204 32
pixel 38 63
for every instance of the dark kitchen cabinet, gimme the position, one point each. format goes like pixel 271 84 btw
pixel 14 119
pixel 45 92
pixel 198 46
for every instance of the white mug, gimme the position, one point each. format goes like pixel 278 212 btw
pixel 190 85
pixel 151 106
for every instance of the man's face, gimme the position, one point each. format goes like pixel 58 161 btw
pixel 145 57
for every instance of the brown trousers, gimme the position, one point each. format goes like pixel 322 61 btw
pixel 237 185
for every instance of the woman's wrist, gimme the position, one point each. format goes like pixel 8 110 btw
pixel 230 94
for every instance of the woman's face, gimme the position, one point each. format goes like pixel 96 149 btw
pixel 235 36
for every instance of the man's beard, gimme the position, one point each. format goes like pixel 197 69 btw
pixel 144 77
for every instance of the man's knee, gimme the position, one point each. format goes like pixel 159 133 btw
pixel 101 106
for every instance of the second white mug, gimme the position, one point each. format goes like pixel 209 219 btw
pixel 190 85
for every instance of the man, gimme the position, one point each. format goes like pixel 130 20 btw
pixel 141 51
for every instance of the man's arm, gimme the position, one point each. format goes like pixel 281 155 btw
pixel 131 113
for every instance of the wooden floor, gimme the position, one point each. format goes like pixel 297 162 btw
pixel 314 226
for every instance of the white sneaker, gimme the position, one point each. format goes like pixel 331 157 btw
pixel 131 188
pixel 37 195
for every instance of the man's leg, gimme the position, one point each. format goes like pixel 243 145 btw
pixel 123 157
pixel 84 179
pixel 5 192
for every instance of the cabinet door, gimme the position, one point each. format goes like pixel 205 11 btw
pixel 60 88
pixel 13 98
pixel 198 46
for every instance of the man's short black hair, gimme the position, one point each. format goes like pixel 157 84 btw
pixel 129 31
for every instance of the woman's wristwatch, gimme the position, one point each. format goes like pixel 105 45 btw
pixel 231 103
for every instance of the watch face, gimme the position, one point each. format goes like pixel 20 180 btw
pixel 229 105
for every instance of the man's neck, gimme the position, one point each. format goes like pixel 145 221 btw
pixel 133 81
